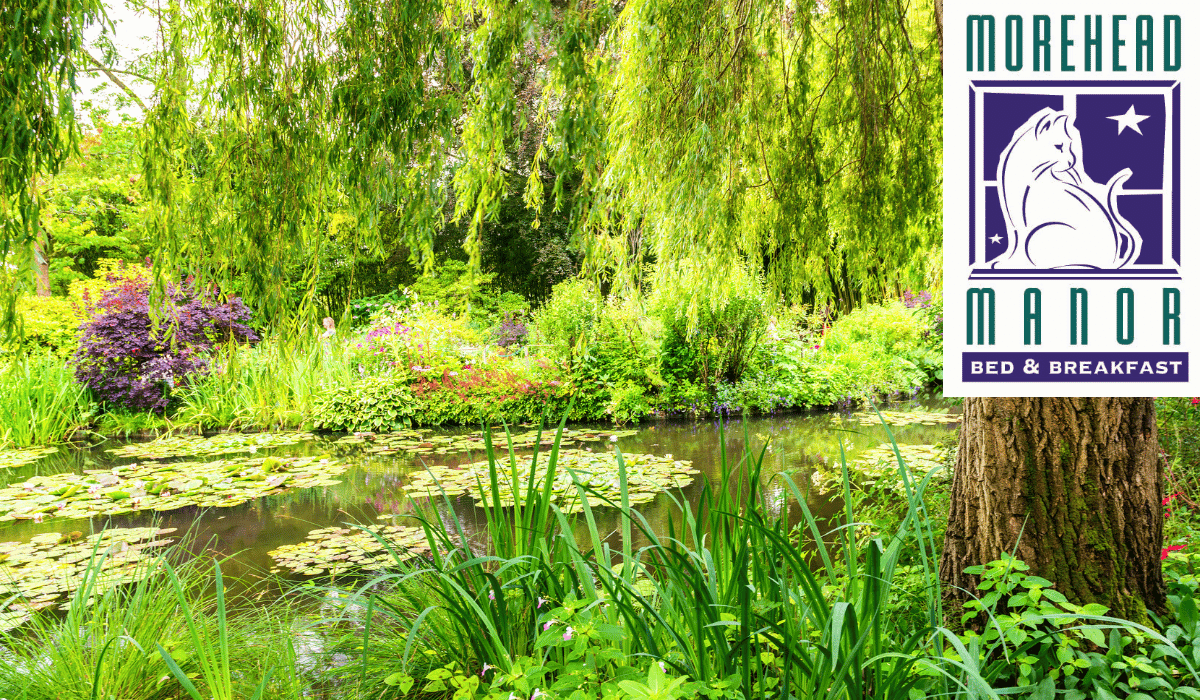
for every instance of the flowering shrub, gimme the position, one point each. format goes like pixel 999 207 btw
pixel 129 363
pixel 417 337
pixel 507 391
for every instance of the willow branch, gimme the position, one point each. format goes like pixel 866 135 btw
pixel 110 72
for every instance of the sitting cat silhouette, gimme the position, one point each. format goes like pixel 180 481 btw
pixel 1057 216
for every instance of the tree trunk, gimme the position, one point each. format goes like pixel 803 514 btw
pixel 1081 477
pixel 42 277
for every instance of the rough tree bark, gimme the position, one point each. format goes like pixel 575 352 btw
pixel 1082 476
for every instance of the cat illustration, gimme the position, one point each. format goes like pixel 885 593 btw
pixel 1057 216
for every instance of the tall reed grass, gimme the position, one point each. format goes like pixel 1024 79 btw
pixel 40 401
pixel 271 385
pixel 168 635
pixel 727 596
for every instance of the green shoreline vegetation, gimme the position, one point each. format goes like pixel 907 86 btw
pixel 733 601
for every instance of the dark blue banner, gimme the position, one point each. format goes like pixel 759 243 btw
pixel 1075 367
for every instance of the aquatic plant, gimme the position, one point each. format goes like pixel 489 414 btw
pixel 340 550
pixel 419 442
pixel 19 458
pixel 600 475
pixel 40 401
pixel 199 446
pixel 163 486
pixel 50 566
pixel 900 419
pixel 880 464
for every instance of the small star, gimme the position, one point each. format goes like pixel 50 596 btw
pixel 995 238
pixel 1129 119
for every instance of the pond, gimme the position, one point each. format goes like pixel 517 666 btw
pixel 260 495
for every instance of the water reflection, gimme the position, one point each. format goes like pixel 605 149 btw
pixel 791 446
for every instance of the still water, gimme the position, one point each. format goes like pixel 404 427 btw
pixel 793 444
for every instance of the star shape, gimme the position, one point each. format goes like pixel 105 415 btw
pixel 995 238
pixel 1129 119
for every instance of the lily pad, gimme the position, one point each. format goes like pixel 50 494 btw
pixel 419 442
pixel 163 486
pixel 899 419
pixel 338 550
pixel 41 572
pixel 648 475
pixel 197 446
pixel 19 458
pixel 879 463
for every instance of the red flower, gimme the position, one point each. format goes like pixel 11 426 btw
pixel 1195 400
pixel 1172 497
pixel 1172 548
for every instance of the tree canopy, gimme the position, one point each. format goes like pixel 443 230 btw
pixel 798 138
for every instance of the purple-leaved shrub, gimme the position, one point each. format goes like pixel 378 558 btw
pixel 511 332
pixel 130 364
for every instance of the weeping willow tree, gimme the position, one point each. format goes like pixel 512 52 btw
pixel 797 138
pixel 38 130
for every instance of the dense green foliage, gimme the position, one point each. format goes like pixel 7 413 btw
pixel 284 149
pixel 724 604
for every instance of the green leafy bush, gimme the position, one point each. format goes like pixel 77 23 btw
pixel 48 323
pixel 1036 639
pixel 713 341
pixel 563 326
pixel 376 403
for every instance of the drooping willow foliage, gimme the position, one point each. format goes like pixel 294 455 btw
pixel 37 118
pixel 798 137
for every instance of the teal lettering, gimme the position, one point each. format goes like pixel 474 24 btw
pixel 1170 316
pixel 976 313
pixel 1041 42
pixel 1065 23
pixel 1172 37
pixel 1033 316
pixel 1092 44
pixel 1143 44
pixel 1014 50
pixel 981 30
pixel 1079 313
pixel 1124 315
pixel 1117 43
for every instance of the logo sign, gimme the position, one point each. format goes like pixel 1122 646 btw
pixel 1072 260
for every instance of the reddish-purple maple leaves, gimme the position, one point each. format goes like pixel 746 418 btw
pixel 128 363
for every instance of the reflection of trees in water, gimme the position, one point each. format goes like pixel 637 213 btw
pixel 795 444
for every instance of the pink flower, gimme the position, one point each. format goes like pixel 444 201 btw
pixel 568 634
pixel 1195 400
pixel 540 601
pixel 486 668
pixel 491 595
pixel 1172 548
pixel 548 625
